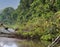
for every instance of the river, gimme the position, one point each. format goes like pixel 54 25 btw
pixel 11 42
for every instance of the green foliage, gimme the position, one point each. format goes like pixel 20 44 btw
pixel 6 15
pixel 39 18
pixel 35 18
pixel 46 37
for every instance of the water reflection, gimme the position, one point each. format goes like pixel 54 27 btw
pixel 6 42
pixel 35 44
pixel 10 42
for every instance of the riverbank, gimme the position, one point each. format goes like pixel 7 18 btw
pixel 23 33
pixel 34 36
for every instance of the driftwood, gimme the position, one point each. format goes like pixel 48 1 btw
pixel 54 42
